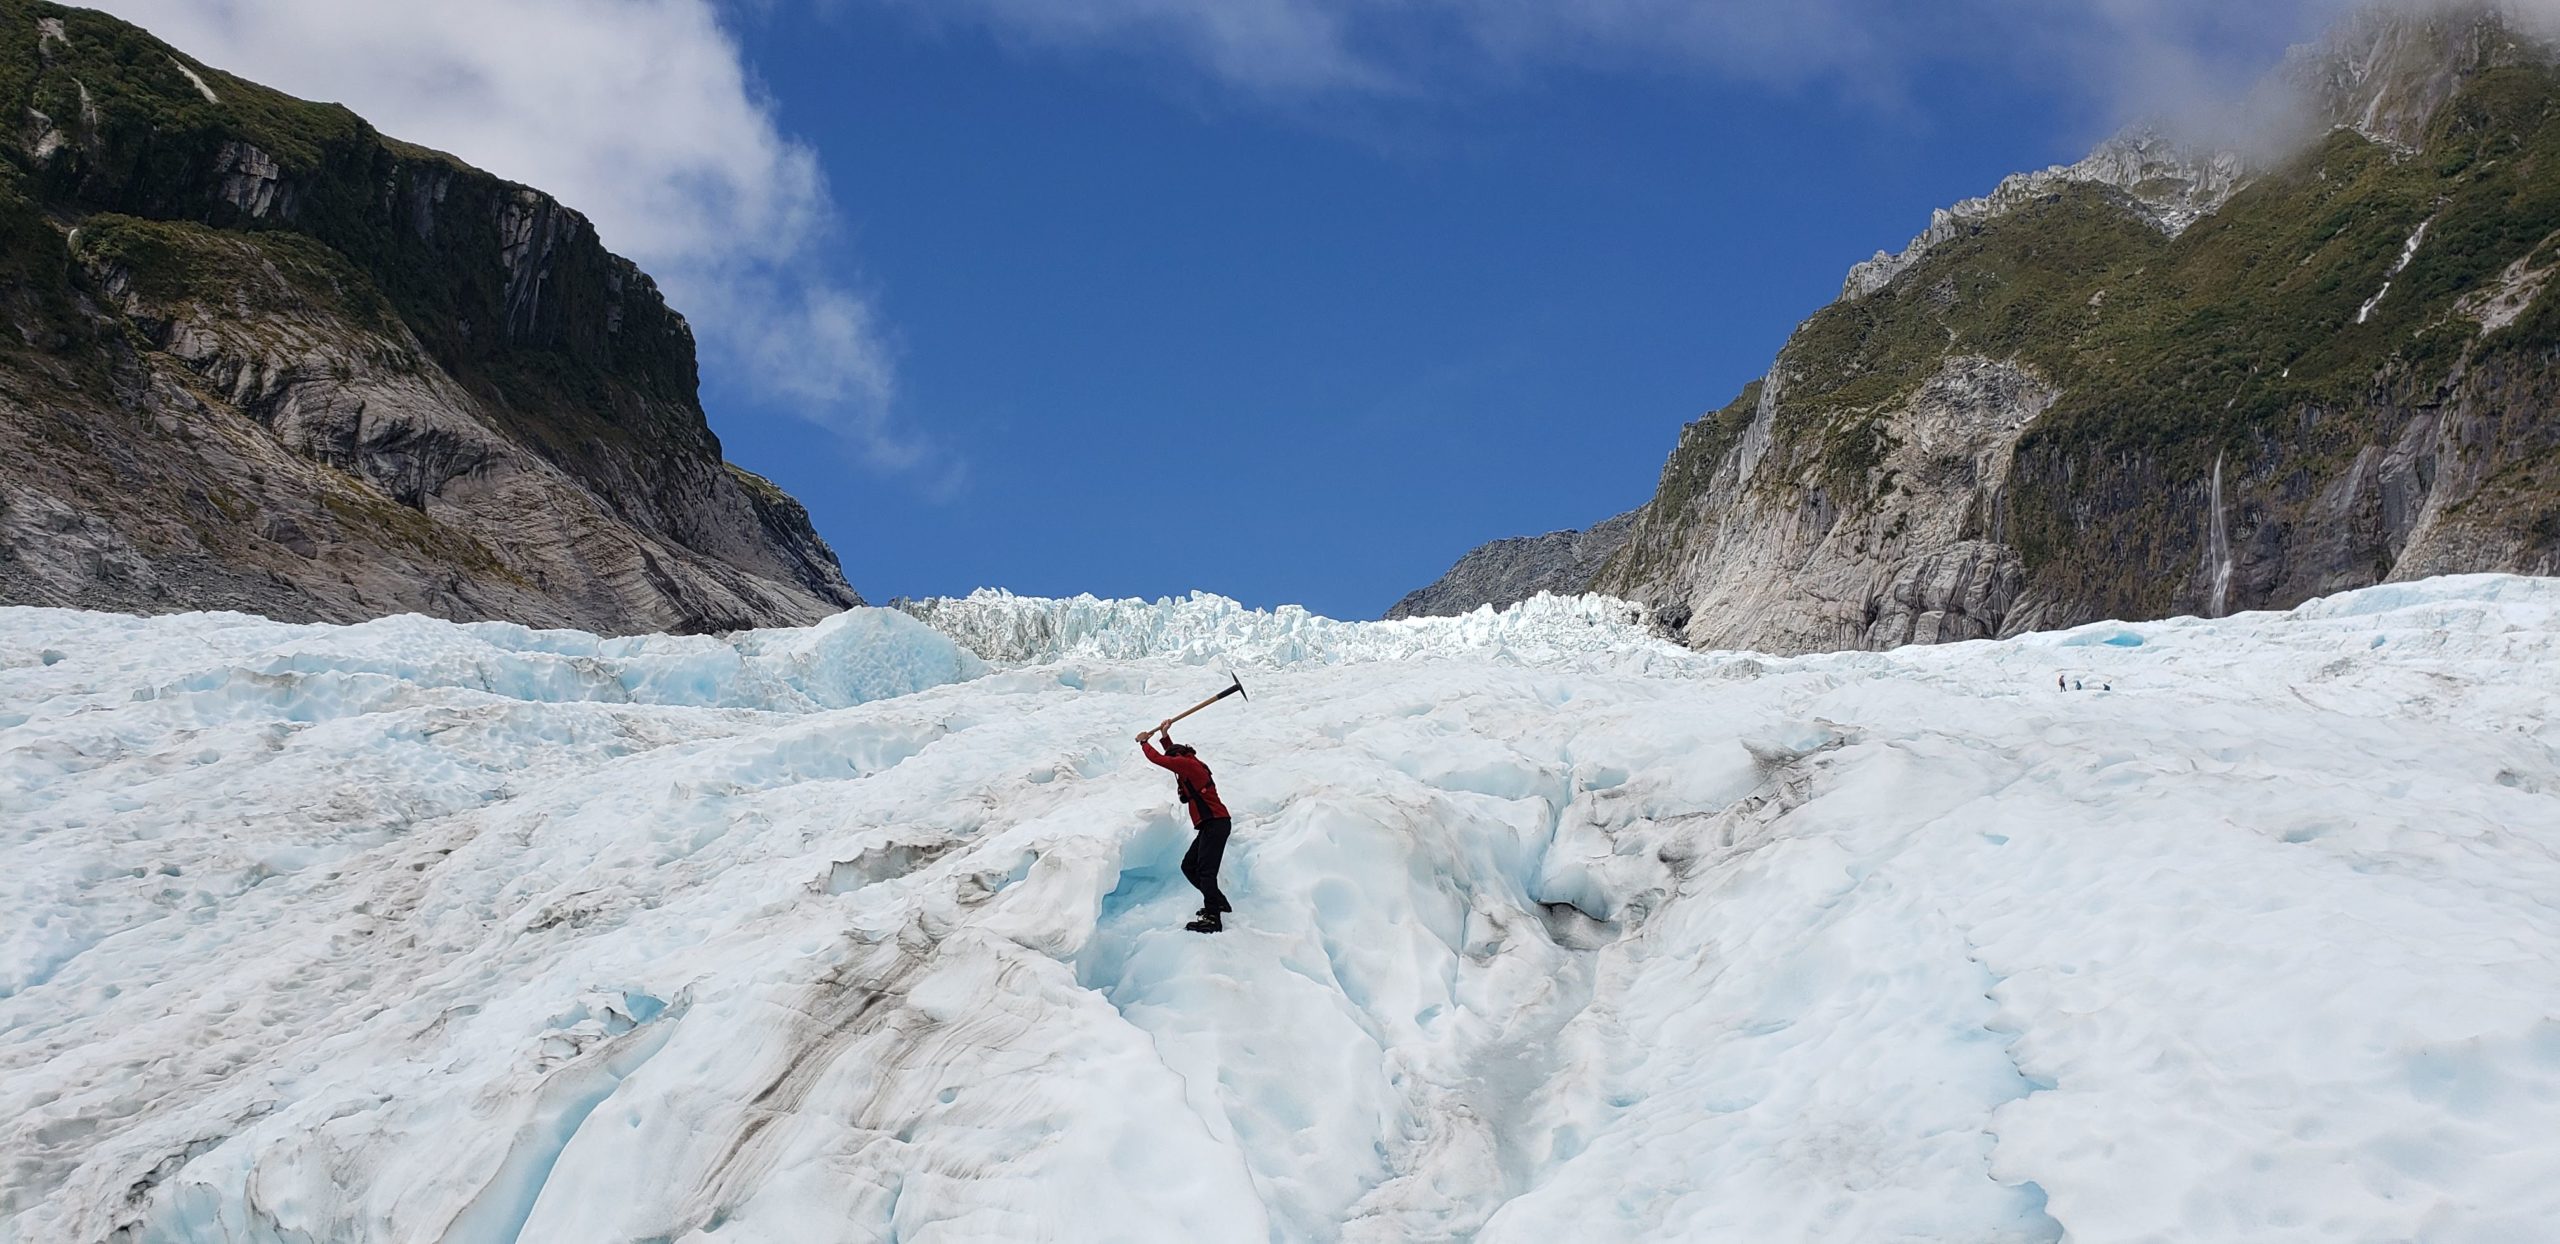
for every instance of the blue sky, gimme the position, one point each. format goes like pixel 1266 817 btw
pixel 1311 350
pixel 1289 300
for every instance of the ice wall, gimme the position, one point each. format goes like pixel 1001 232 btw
pixel 1205 629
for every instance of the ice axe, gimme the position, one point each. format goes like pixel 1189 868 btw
pixel 1237 689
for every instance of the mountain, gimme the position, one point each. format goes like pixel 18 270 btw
pixel 2161 380
pixel 261 357
pixel 1546 930
pixel 1506 572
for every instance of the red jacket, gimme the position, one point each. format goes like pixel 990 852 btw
pixel 1192 778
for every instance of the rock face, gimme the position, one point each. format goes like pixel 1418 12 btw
pixel 2166 182
pixel 1507 572
pixel 2157 383
pixel 261 357
pixel 1795 569
pixel 2385 74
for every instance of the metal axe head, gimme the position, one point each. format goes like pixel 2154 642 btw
pixel 1237 689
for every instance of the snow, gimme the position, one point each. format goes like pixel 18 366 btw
pixel 1546 929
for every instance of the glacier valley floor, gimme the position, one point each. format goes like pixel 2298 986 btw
pixel 1546 930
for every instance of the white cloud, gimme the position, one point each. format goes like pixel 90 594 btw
pixel 639 113
pixel 1273 45
pixel 2120 54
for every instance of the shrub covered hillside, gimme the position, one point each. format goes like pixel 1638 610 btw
pixel 266 358
pixel 2069 403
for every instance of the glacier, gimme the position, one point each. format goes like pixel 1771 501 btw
pixel 1546 928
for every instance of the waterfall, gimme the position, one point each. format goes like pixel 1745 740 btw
pixel 2408 251
pixel 2217 553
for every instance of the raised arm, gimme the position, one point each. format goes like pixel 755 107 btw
pixel 1166 731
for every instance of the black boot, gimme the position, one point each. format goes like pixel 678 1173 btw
pixel 1207 923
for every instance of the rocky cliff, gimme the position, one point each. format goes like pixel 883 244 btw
pixel 2161 381
pixel 261 357
pixel 1507 572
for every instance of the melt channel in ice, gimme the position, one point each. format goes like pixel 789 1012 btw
pixel 411 931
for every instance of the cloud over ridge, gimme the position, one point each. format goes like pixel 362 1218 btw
pixel 2125 56
pixel 643 115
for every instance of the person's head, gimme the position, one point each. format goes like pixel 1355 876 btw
pixel 1172 748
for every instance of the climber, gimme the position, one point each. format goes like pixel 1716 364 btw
pixel 1209 823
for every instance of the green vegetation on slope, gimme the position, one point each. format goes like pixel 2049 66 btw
pixel 268 273
pixel 129 134
pixel 2238 339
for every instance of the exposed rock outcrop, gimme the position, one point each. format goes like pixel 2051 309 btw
pixel 264 358
pixel 1781 561
pixel 1506 572
pixel 2168 182
pixel 2385 73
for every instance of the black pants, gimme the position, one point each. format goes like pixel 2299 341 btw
pixel 1200 863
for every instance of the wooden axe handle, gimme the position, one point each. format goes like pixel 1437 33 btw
pixel 1234 690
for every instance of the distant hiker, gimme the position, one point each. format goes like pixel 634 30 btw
pixel 1209 824
pixel 2058 684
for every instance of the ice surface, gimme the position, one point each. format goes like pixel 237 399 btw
pixel 1546 930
